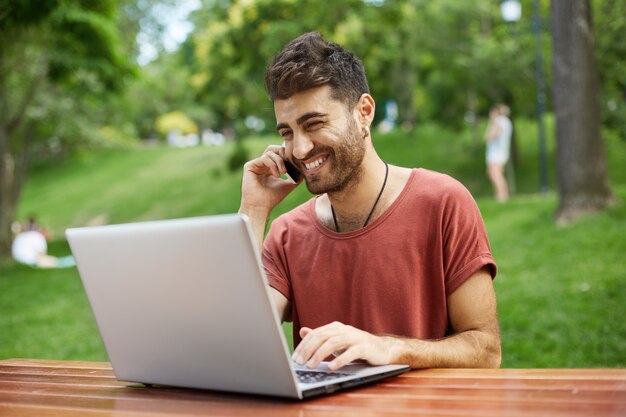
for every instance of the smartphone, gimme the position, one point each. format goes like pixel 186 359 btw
pixel 293 174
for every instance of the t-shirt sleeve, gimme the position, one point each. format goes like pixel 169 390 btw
pixel 274 260
pixel 465 244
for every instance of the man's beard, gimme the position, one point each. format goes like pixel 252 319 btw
pixel 345 162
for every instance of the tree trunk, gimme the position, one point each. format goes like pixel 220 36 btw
pixel 405 80
pixel 13 168
pixel 7 205
pixel 6 170
pixel 581 162
pixel 15 144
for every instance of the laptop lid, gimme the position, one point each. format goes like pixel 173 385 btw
pixel 185 303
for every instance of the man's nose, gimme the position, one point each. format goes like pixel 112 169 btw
pixel 302 145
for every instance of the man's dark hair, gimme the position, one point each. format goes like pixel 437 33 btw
pixel 310 61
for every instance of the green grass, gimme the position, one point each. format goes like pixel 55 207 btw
pixel 45 314
pixel 561 290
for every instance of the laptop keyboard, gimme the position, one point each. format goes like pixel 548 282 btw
pixel 311 377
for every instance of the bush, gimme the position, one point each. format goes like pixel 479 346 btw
pixel 239 157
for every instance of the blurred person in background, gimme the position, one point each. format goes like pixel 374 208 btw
pixel 30 247
pixel 498 138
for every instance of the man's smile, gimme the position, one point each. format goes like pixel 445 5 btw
pixel 315 163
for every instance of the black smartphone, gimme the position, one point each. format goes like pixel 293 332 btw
pixel 292 172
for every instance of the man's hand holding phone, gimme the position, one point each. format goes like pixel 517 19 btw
pixel 263 185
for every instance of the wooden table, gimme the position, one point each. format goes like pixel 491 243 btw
pixel 60 388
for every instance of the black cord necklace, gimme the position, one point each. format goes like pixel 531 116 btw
pixel 373 207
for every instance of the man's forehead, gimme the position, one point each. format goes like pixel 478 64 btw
pixel 317 99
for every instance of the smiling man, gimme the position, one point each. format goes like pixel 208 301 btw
pixel 385 264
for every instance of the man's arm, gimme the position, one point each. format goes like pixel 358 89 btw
pixel 475 344
pixel 262 189
pixel 281 304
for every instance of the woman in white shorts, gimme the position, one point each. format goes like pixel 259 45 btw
pixel 498 138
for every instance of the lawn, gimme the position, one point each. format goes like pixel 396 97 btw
pixel 560 289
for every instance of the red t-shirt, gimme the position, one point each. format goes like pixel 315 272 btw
pixel 392 276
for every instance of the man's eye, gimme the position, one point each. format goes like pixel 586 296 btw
pixel 285 133
pixel 314 125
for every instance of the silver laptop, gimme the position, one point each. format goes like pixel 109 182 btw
pixel 186 303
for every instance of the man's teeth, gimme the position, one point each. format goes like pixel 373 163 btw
pixel 315 163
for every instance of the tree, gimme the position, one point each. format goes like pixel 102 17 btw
pixel 234 41
pixel 48 50
pixel 581 162
pixel 435 59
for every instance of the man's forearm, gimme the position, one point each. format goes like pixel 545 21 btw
pixel 469 349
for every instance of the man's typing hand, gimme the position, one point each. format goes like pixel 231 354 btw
pixel 346 343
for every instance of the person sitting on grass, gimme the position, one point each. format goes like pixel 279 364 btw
pixel 30 247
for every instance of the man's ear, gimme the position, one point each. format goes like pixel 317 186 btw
pixel 366 108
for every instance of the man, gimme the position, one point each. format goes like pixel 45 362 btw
pixel 386 264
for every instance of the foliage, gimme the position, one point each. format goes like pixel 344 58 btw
pixel 143 21
pixel 610 46
pixel 234 43
pixel 436 59
pixel 162 86
pixel 238 157
pixel 175 121
pixel 54 54
pixel 25 12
